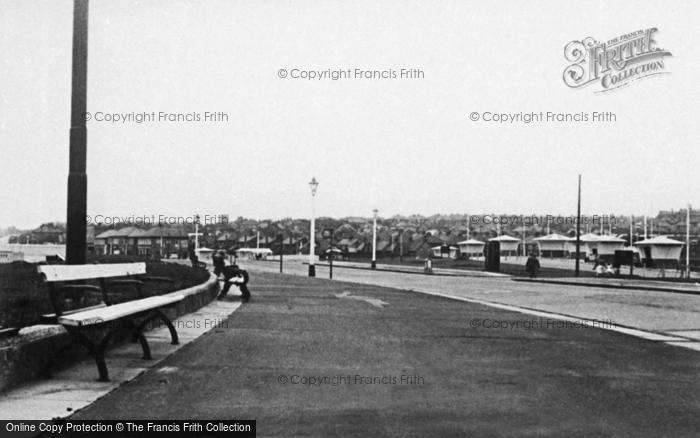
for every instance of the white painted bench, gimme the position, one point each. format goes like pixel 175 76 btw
pixel 84 322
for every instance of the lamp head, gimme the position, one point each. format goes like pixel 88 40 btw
pixel 314 186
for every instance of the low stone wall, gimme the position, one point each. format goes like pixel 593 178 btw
pixel 38 349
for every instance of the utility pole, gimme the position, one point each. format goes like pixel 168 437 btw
pixel 76 245
pixel 281 239
pixel 631 230
pixel 374 240
pixel 578 227
pixel 687 244
pixel 330 256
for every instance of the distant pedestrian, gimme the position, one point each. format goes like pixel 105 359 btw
pixel 428 268
pixel 234 275
pixel 609 270
pixel 219 260
pixel 599 267
pixel 532 265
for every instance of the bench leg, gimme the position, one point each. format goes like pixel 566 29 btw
pixel 173 333
pixel 144 346
pixel 136 333
pixel 95 352
pixel 158 314
pixel 102 367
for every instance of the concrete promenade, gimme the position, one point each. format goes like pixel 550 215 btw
pixel 667 316
pixel 313 357
pixel 379 353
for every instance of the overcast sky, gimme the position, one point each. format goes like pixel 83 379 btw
pixel 402 146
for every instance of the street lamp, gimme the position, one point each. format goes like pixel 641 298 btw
pixel 77 177
pixel 312 238
pixel 374 240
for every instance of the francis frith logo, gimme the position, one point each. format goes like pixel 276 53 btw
pixel 616 62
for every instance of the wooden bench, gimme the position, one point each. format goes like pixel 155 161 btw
pixel 88 323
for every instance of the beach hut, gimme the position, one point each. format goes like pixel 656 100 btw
pixel 509 245
pixel 660 252
pixel 554 245
pixel 442 251
pixel 595 246
pixel 587 249
pixel 471 248
pixel 607 245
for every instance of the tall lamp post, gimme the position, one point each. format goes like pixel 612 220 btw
pixel 374 240
pixel 77 177
pixel 312 237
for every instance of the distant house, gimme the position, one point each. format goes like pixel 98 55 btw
pixel 349 244
pixel 226 240
pixel 357 220
pixel 290 245
pixel 247 241
pixel 49 233
pixel 154 242
pixel 160 242
pixel 103 242
pixel 344 231
pixel 385 247
pixel 421 246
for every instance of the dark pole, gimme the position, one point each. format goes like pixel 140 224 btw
pixel 578 226
pixel 77 177
pixel 330 258
pixel 281 237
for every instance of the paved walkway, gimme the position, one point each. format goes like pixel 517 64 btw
pixel 312 357
pixel 76 387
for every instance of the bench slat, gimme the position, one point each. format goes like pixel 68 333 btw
pixel 55 273
pixel 117 311
pixel 52 316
